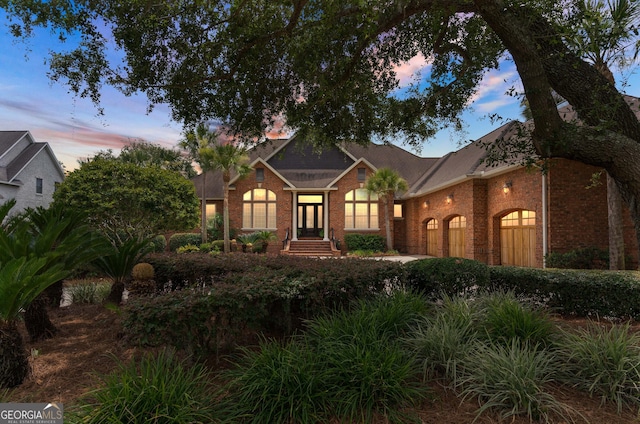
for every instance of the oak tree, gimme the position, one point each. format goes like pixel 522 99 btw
pixel 327 67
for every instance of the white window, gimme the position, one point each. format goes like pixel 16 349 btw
pixel 360 209
pixel 38 185
pixel 259 209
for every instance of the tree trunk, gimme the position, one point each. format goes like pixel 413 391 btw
pixel 225 211
pixel 616 233
pixel 203 218
pixel 36 319
pixel 115 294
pixel 387 223
pixel 14 364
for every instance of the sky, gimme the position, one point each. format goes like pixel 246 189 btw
pixel 29 100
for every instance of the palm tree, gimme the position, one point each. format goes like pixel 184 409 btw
pixel 195 142
pixel 386 182
pixel 213 155
pixel 60 235
pixel 118 262
pixel 34 255
pixel 607 35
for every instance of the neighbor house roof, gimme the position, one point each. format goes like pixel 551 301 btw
pixel 17 150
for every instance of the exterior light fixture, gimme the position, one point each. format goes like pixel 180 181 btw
pixel 507 187
pixel 449 199
pixel 426 204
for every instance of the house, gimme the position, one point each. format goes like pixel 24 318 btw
pixel 456 205
pixel 29 171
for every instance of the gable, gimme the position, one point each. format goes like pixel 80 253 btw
pixel 303 167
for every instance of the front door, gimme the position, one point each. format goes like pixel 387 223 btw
pixel 310 215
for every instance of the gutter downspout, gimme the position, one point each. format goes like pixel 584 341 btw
pixel 545 245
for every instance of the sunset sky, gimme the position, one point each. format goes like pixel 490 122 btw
pixel 30 101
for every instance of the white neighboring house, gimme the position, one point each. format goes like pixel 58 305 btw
pixel 29 171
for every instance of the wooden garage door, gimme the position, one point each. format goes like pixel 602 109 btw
pixel 518 238
pixel 457 228
pixel 432 237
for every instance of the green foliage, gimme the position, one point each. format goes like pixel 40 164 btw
pixel 574 292
pixel 604 360
pixel 156 389
pixel 247 291
pixel 505 319
pixel 159 243
pixel 451 276
pixel 511 380
pixel 366 242
pixel 182 239
pixel 188 248
pixel 349 366
pixel 215 228
pixel 277 383
pixel 146 154
pixel 247 239
pixel 586 258
pixel 441 341
pixel 38 248
pixel 120 260
pixel 89 292
pixel 124 200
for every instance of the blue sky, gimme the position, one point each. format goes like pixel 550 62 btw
pixel 30 101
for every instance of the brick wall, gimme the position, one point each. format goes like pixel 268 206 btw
pixel 577 216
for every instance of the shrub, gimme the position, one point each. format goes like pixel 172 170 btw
pixel 142 271
pixel 451 276
pixel 159 243
pixel 586 258
pixel 182 239
pixel 89 292
pixel 505 319
pixel 604 361
pixel 511 380
pixel 574 292
pixel 278 383
pixel 188 248
pixel 365 242
pixel 157 389
pixel 237 292
pixel 441 342
pixel 348 368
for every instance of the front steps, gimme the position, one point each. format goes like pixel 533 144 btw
pixel 313 248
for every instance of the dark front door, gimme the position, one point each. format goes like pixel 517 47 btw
pixel 310 216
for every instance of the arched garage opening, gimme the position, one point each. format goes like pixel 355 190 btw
pixel 518 238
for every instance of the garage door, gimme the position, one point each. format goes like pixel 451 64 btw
pixel 518 238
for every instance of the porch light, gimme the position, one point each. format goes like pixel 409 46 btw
pixel 426 204
pixel 449 199
pixel 506 187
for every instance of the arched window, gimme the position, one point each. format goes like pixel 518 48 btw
pixel 360 209
pixel 457 227
pixel 432 237
pixel 259 209
pixel 518 238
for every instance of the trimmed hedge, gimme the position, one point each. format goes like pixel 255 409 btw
pixel 587 258
pixel 226 295
pixel 183 239
pixel 159 243
pixel 588 293
pixel 366 242
pixel 451 276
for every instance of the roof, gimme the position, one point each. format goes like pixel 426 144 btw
pixel 15 155
pixel 303 168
